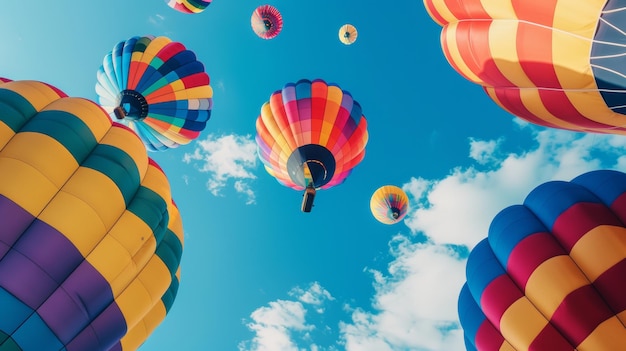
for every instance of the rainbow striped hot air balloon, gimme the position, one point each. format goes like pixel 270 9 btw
pixel 158 88
pixel 389 204
pixel 90 240
pixel 311 135
pixel 189 6
pixel 266 21
pixel 558 63
pixel 550 275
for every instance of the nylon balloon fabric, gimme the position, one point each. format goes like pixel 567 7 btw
pixel 348 34
pixel 189 6
pixel 549 276
pixel 158 88
pixel 311 132
pixel 557 63
pixel 91 240
pixel 266 22
pixel 389 204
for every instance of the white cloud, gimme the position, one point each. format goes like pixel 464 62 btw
pixel 415 302
pixel 224 158
pixel 277 325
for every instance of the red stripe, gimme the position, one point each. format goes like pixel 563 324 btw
pixel 534 52
pixel 549 339
pixel 580 313
pixel 511 99
pixel 612 286
pixel 538 11
pixel 498 296
pixel 434 13
pixel 580 218
pixel 529 253
pixel 558 104
pixel 619 207
pixel 488 338
pixel 467 9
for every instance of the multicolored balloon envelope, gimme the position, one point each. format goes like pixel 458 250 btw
pixel 90 240
pixel 389 204
pixel 311 135
pixel 550 275
pixel 266 21
pixel 158 88
pixel 347 34
pixel 559 63
pixel 189 6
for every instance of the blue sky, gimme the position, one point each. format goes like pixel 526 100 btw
pixel 258 274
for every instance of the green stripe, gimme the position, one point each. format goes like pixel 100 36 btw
pixel 118 166
pixel 16 110
pixel 170 294
pixel 8 344
pixel 152 209
pixel 170 250
pixel 67 129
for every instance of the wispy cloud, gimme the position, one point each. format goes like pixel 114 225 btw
pixel 415 300
pixel 225 158
pixel 277 325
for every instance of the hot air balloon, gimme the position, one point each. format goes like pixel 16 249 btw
pixel 91 240
pixel 550 274
pixel 347 34
pixel 310 135
pixel 558 64
pixel 189 6
pixel 389 204
pixel 266 21
pixel 158 88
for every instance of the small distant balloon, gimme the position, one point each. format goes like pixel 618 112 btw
pixel 389 204
pixel 189 6
pixel 347 34
pixel 266 21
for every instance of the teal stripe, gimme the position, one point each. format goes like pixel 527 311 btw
pixel 8 344
pixel 170 250
pixel 16 110
pixel 170 295
pixel 118 166
pixel 152 209
pixel 67 129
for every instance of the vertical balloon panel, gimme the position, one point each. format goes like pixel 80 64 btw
pixel 91 239
pixel 554 63
pixel 549 275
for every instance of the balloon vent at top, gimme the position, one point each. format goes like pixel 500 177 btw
pixel 158 88
pixel 266 21
pixel 559 64
pixel 550 274
pixel 90 238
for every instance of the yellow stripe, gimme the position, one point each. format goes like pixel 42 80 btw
pixel 24 176
pixel 578 17
pixel 127 141
pixel 95 203
pixel 85 110
pixel 334 95
pixel 552 281
pixel 610 335
pixel 442 10
pixel 503 47
pixel 141 331
pixel 38 94
pixel 608 240
pixel 454 56
pixel 6 134
pixel 521 323
pixel 531 100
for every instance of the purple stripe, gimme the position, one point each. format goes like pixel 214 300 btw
pixel 14 221
pixel 103 333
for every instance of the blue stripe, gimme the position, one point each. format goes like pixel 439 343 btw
pixel 482 268
pixel 16 110
pixel 608 185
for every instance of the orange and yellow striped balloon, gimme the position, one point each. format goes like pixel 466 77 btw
pixel 556 63
pixel 90 238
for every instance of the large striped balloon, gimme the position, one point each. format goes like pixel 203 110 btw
pixel 311 132
pixel 158 88
pixel 550 275
pixel 556 63
pixel 189 6
pixel 90 239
